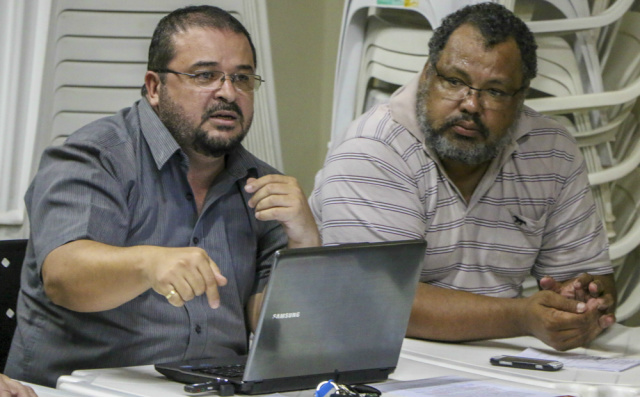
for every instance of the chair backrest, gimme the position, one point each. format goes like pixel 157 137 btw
pixel 11 256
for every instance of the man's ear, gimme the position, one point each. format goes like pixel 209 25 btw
pixel 152 83
pixel 425 70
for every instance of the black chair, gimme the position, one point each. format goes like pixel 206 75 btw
pixel 11 256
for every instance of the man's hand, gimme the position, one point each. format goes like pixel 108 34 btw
pixel 12 388
pixel 581 288
pixel 560 322
pixel 280 198
pixel 181 274
pixel 586 288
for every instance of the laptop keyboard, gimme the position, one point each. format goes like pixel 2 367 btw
pixel 224 371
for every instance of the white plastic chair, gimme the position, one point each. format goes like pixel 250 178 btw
pixel 593 29
pixel 605 18
pixel 393 52
pixel 626 200
pixel 620 80
pixel 621 180
pixel 388 66
pixel 558 75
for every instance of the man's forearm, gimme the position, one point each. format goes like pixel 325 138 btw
pixel 254 307
pixel 450 315
pixel 89 276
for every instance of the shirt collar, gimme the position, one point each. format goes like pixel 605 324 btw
pixel 403 107
pixel 240 164
pixel 161 143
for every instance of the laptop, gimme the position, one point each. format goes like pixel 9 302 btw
pixel 332 312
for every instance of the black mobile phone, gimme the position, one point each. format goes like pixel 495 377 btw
pixel 526 363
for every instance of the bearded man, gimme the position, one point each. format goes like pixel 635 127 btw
pixel 153 231
pixel 497 190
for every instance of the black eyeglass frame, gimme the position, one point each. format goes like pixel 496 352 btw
pixel 489 91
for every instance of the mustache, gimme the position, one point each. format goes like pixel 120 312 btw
pixel 227 106
pixel 466 117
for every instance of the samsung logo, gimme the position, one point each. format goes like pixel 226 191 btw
pixel 279 316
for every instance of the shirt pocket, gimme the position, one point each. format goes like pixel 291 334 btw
pixel 518 243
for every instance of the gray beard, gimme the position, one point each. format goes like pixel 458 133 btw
pixel 455 149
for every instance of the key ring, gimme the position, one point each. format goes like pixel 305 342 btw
pixel 330 388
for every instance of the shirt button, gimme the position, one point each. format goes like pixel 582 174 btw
pixel 195 240
pixel 189 196
pixel 198 329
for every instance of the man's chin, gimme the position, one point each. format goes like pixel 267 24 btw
pixel 217 150
pixel 218 145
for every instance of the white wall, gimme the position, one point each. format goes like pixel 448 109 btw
pixel 304 47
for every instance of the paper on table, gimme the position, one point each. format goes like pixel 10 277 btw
pixel 454 386
pixel 584 361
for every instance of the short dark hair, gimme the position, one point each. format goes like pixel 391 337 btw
pixel 161 49
pixel 496 24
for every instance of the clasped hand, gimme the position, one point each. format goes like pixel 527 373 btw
pixel 597 292
pixel 572 313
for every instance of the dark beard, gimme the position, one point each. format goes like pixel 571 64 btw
pixel 196 138
pixel 464 150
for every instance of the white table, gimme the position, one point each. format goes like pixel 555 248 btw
pixel 145 381
pixel 473 358
pixel 419 360
pixel 43 391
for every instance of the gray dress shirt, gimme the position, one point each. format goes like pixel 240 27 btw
pixel 122 180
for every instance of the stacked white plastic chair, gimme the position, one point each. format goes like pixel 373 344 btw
pixel 603 120
pixel 392 55
pixel 589 63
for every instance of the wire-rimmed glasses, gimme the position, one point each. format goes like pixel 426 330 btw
pixel 214 79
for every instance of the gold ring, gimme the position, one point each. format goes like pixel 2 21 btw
pixel 170 294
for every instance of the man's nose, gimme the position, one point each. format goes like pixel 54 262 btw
pixel 471 101
pixel 227 90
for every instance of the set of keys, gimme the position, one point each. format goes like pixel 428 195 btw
pixel 332 389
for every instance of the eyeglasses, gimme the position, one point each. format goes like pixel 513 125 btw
pixel 213 80
pixel 454 89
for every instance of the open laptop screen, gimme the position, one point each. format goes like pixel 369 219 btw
pixel 332 311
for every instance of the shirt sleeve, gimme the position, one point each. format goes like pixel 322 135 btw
pixel 367 192
pixel 575 239
pixel 271 239
pixel 78 193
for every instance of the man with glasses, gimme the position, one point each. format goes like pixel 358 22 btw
pixel 153 231
pixel 497 191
